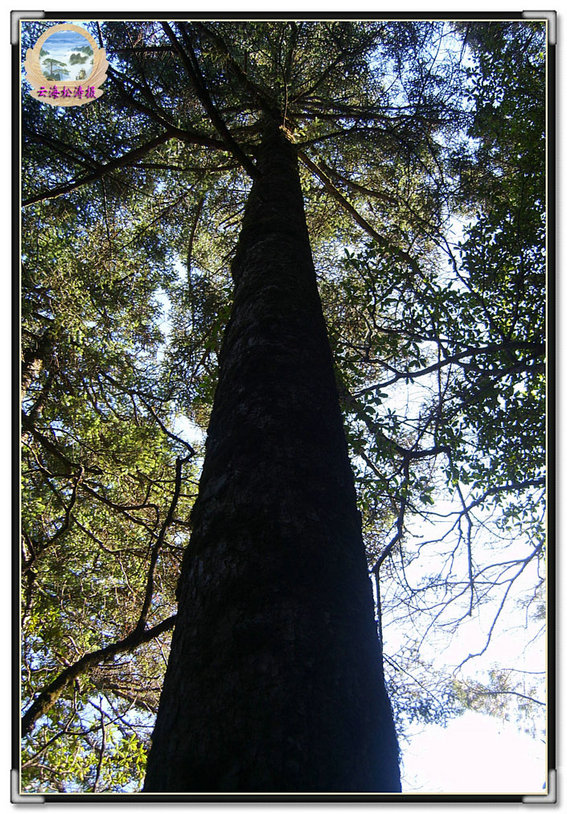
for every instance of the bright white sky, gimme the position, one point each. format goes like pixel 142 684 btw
pixel 474 754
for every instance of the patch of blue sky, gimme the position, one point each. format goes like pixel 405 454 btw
pixel 61 42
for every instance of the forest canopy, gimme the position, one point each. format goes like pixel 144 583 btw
pixel 422 148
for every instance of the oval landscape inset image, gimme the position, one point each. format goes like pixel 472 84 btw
pixel 66 55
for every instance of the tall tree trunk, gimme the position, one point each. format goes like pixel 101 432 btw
pixel 274 681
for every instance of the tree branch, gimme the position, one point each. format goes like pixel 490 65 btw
pixel 128 158
pixel 348 207
pixel 69 151
pixel 157 546
pixel 245 81
pixel 538 349
pixel 191 65
pixel 48 696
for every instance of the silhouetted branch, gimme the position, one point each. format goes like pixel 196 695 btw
pixel 48 696
pixel 191 65
pixel 348 207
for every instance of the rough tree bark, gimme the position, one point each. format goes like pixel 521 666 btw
pixel 274 681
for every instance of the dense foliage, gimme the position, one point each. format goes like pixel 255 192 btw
pixel 422 147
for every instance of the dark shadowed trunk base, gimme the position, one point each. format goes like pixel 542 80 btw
pixel 274 681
